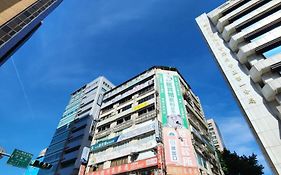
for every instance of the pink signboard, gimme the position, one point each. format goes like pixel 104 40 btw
pixel 179 152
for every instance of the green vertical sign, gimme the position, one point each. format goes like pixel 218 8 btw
pixel 171 100
pixel 180 101
pixel 162 99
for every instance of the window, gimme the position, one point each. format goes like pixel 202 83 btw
pixel 119 121
pixel 272 52
pixel 52 157
pixel 6 29
pixel 105 117
pixel 108 108
pixel 145 90
pixel 253 22
pixel 92 90
pixel 103 128
pixel 56 147
pixel 236 6
pixel 124 119
pixel 243 13
pixel 99 102
pixel 60 137
pixel 146 99
pixel 86 104
pixel 146 110
pixel 98 167
pixel 84 111
pixel 76 138
pixel 68 163
pixel 124 100
pixel 103 89
pixel 126 107
pixel 119 161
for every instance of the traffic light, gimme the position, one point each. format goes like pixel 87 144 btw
pixel 41 165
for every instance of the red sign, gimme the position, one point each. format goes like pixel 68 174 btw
pixel 160 157
pixel 127 167
pixel 82 170
pixel 181 170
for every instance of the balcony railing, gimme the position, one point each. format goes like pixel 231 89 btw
pixel 122 126
pixel 145 117
pixel 102 133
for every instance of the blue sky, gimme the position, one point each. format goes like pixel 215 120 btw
pixel 81 40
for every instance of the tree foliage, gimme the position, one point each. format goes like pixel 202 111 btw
pixel 233 164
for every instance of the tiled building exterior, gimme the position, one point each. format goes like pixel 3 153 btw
pixel 245 38
pixel 152 124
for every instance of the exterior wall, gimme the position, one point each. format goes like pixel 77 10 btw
pixel 11 8
pixel 245 40
pixel 126 129
pixel 74 131
pixel 19 20
pixel 144 127
pixel 215 135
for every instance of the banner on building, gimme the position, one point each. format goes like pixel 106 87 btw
pixel 124 150
pixel 125 136
pixel 141 164
pixel 171 101
pixel 104 143
pixel 179 151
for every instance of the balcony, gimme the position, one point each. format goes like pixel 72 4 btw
pixel 102 133
pixel 123 126
pixel 194 122
pixel 145 117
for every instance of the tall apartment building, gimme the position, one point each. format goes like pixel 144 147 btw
pixel 152 124
pixel 215 134
pixel 245 38
pixel 19 19
pixel 74 130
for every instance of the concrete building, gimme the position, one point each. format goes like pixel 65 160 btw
pixel 215 134
pixel 19 19
pixel 245 38
pixel 73 134
pixel 152 124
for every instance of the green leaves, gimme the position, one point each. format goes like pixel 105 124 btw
pixel 233 164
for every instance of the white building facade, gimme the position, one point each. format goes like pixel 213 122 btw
pixel 245 38
pixel 74 131
pixel 215 135
pixel 152 124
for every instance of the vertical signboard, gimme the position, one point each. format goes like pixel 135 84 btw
pixel 179 152
pixel 180 156
pixel 171 100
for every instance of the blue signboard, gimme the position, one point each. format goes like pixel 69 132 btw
pixel 104 143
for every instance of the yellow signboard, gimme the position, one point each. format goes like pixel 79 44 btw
pixel 142 105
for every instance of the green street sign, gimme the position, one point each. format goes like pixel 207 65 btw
pixel 20 159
